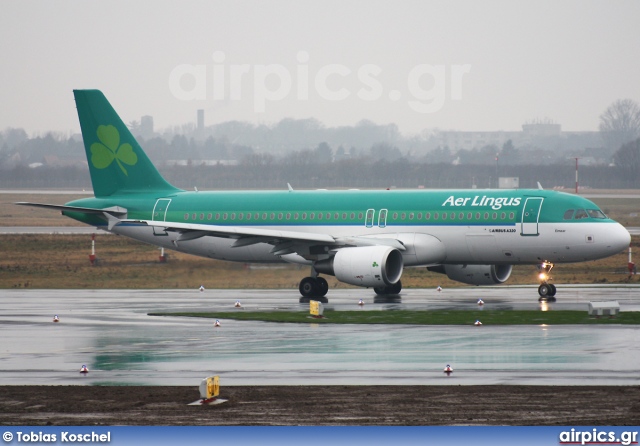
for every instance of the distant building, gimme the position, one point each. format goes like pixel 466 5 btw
pixel 540 133
pixel 541 128
pixel 200 126
pixel 146 127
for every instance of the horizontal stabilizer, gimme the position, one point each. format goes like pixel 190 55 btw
pixel 115 211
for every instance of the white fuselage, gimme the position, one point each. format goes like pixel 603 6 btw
pixel 563 242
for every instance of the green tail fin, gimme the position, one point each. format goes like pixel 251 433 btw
pixel 117 163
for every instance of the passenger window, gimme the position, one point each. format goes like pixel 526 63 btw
pixel 186 216
pixel 209 216
pixel 511 215
pixel 427 216
pixel 436 215
pixel 419 216
pixel 411 216
pixel 580 214
pixel 477 215
pixel 240 216
pixel 568 214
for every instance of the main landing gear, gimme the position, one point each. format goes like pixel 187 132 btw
pixel 547 291
pixel 313 287
pixel 389 289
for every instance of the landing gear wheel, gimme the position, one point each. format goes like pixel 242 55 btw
pixel 323 286
pixel 389 289
pixel 547 292
pixel 313 287
pixel 395 288
pixel 308 287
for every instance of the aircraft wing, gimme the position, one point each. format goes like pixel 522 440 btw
pixel 284 242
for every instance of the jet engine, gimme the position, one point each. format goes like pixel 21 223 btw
pixel 475 274
pixel 367 266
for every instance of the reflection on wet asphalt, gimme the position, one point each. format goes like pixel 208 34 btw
pixel 110 332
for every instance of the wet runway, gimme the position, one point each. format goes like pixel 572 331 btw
pixel 110 332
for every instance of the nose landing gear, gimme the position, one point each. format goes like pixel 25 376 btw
pixel 546 290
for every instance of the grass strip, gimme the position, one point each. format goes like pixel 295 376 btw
pixel 435 317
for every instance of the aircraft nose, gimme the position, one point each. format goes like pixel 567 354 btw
pixel 618 238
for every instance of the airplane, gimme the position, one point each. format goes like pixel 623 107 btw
pixel 362 237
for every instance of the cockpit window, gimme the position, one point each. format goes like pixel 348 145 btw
pixel 580 214
pixel 568 214
pixel 596 213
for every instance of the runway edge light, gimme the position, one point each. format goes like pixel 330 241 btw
pixel 209 392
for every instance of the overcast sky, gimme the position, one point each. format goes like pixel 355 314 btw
pixel 462 65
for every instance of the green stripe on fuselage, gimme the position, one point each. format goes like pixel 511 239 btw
pixel 404 207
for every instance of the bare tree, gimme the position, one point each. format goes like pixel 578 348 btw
pixel 620 123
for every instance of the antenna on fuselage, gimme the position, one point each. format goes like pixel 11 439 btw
pixel 540 186
pixel 290 188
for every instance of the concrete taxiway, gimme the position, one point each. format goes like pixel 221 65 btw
pixel 110 332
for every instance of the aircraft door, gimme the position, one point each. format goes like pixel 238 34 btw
pixel 160 214
pixel 382 218
pixel 369 218
pixel 530 216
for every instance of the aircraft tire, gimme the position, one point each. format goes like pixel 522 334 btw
pixel 544 290
pixel 395 288
pixel 323 286
pixel 553 290
pixel 389 289
pixel 308 287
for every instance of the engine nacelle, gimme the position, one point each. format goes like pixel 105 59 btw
pixel 367 266
pixel 476 274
